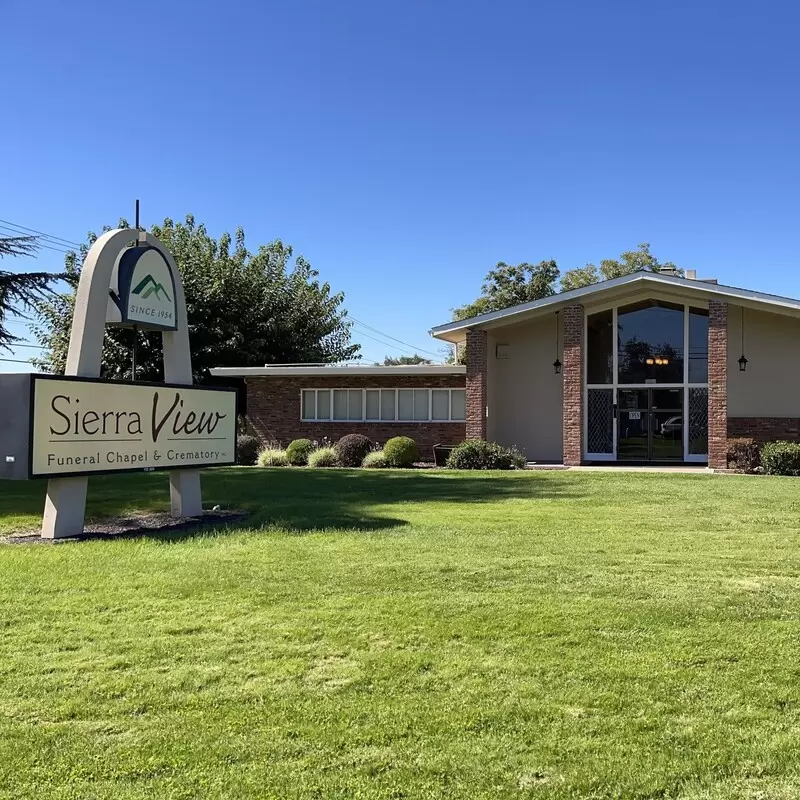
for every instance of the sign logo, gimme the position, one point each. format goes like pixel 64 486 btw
pixel 146 289
pixel 149 286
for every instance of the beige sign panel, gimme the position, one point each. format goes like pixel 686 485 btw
pixel 87 426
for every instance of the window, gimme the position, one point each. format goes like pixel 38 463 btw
pixel 650 342
pixel 600 347
pixel 384 405
pixel 698 345
pixel 440 404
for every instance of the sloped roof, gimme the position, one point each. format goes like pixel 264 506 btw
pixel 456 331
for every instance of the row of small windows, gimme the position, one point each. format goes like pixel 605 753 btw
pixel 384 405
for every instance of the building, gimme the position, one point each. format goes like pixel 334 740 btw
pixel 645 368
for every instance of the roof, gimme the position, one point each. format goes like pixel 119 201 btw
pixel 456 331
pixel 293 370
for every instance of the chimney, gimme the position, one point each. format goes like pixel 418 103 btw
pixel 669 271
pixel 691 274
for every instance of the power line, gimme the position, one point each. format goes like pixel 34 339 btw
pixel 37 346
pixel 54 239
pixel 394 339
pixel 14 361
pixel 48 244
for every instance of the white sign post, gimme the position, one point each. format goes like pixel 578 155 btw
pixel 120 284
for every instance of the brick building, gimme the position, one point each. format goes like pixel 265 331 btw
pixel 646 368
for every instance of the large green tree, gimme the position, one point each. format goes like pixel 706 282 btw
pixel 638 260
pixel 244 309
pixel 510 284
pixel 19 291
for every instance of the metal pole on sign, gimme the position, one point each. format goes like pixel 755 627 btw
pixel 135 336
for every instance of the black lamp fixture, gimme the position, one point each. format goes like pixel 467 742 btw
pixel 557 362
pixel 742 359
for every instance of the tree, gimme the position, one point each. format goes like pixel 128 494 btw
pixel 19 291
pixel 508 285
pixel 244 309
pixel 401 361
pixel 638 260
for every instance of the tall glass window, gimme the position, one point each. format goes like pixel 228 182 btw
pixel 600 347
pixel 698 345
pixel 650 338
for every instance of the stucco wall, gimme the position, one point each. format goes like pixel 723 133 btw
pixel 770 387
pixel 524 394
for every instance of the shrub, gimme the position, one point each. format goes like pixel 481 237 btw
pixel 352 449
pixel 477 454
pixel 375 460
pixel 400 451
pixel 298 452
pixel 744 454
pixel 323 457
pixel 273 457
pixel 781 458
pixel 247 449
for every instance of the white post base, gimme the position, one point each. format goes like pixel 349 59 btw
pixel 64 508
pixel 185 498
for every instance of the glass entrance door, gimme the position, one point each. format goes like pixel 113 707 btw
pixel 650 425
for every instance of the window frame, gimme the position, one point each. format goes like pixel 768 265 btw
pixel 379 389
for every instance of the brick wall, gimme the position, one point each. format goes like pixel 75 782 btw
pixel 765 429
pixel 572 371
pixel 273 409
pixel 717 384
pixel 476 383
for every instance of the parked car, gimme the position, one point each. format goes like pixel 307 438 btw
pixel 672 426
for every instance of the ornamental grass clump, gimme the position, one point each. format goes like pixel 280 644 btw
pixel 273 457
pixel 323 457
pixel 375 460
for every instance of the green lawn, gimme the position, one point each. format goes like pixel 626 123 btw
pixel 411 635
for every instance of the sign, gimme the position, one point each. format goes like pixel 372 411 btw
pixel 81 426
pixel 634 415
pixel 145 289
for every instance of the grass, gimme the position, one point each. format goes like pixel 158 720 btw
pixel 411 635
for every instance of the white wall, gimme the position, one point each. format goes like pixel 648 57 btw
pixel 524 395
pixel 770 387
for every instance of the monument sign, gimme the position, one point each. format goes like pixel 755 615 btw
pixel 67 428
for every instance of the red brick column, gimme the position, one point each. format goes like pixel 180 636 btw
pixel 717 384
pixel 476 384
pixel 572 419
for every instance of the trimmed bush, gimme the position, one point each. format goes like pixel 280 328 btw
pixel 375 460
pixel 744 454
pixel 400 451
pixel 247 448
pixel 781 458
pixel 323 457
pixel 352 449
pixel 273 457
pixel 298 452
pixel 477 454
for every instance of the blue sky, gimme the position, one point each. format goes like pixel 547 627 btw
pixel 406 147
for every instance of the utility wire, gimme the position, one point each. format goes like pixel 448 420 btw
pixel 394 339
pixel 54 239
pixel 14 361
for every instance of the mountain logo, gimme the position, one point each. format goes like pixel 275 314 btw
pixel 149 286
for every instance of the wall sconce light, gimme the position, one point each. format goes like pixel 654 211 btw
pixel 557 363
pixel 742 359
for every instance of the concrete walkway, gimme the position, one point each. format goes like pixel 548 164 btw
pixel 689 469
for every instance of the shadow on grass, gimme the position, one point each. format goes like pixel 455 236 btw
pixel 296 500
